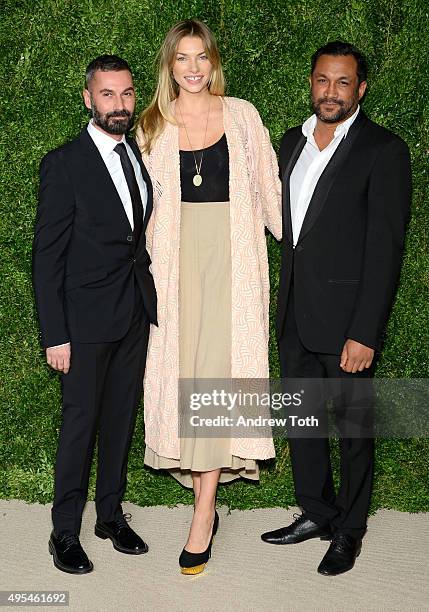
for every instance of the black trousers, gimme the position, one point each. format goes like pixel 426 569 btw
pixel 347 509
pixel 101 394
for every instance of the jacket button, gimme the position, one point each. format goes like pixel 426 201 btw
pixel 129 238
pixel 299 248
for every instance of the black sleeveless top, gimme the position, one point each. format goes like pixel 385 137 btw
pixel 214 172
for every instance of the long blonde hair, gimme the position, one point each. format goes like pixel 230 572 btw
pixel 153 118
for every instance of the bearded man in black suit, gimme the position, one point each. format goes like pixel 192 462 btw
pixel 95 299
pixel 346 199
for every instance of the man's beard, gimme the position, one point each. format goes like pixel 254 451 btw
pixel 342 113
pixel 116 122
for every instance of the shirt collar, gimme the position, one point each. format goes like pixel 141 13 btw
pixel 341 130
pixel 104 143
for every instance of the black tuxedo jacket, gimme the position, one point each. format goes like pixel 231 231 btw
pixel 347 259
pixel 86 266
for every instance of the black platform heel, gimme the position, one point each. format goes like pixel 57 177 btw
pixel 194 563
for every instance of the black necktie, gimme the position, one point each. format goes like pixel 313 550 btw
pixel 134 190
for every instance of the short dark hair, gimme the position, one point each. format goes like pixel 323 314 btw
pixel 105 63
pixel 338 47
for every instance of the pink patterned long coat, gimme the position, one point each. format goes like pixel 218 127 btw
pixel 255 202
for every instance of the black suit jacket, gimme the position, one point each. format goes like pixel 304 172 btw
pixel 85 263
pixel 347 259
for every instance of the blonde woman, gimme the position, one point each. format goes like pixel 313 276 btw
pixel 216 188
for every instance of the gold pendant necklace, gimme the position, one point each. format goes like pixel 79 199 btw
pixel 197 179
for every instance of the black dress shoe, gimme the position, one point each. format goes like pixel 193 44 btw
pixel 300 530
pixel 124 539
pixel 341 555
pixel 194 563
pixel 68 554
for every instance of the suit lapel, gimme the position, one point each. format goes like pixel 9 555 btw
pixel 100 176
pixel 286 186
pixel 146 178
pixel 328 176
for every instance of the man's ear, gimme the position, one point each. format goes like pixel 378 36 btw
pixel 362 89
pixel 87 98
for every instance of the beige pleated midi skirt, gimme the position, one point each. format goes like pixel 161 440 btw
pixel 204 334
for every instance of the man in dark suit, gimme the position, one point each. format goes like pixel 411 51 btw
pixel 346 199
pixel 95 298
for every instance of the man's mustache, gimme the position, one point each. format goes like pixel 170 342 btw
pixel 331 101
pixel 122 113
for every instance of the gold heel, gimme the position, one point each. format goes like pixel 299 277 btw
pixel 190 571
pixel 194 563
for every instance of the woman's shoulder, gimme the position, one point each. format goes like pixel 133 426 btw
pixel 240 105
pixel 161 145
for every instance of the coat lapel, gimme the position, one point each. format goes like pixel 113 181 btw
pixel 234 139
pixel 328 176
pixel 146 178
pixel 286 186
pixel 100 176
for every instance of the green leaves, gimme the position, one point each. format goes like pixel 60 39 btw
pixel 266 49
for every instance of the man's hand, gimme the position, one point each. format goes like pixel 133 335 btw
pixel 58 357
pixel 356 357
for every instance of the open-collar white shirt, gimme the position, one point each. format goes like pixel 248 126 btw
pixel 309 167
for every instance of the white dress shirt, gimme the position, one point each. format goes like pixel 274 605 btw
pixel 309 167
pixel 106 144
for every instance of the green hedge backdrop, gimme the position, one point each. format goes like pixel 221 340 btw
pixel 266 48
